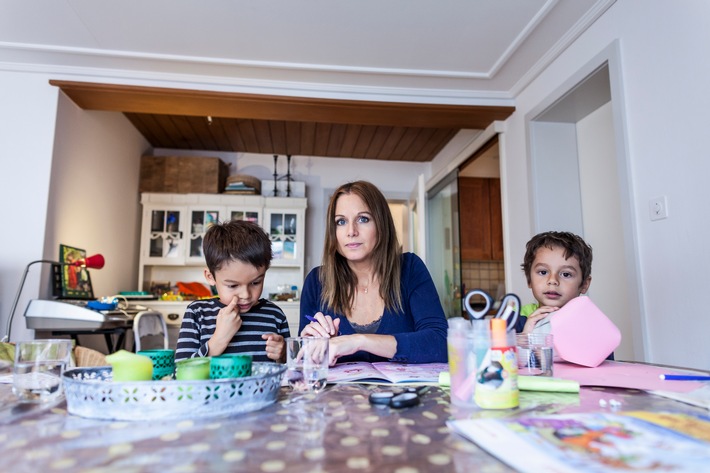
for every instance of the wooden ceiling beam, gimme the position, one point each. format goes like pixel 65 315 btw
pixel 165 101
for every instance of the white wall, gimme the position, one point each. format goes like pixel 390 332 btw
pixel 28 108
pixel 602 223
pixel 664 110
pixel 553 145
pixel 68 176
pixel 322 176
pixel 94 202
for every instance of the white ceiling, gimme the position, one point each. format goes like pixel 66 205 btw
pixel 443 51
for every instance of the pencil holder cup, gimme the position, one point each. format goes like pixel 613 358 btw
pixel 230 366
pixel 163 362
pixel 192 369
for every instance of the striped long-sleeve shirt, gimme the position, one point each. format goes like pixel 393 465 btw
pixel 200 321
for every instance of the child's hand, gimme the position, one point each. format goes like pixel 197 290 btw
pixel 228 323
pixel 322 326
pixel 275 347
pixel 537 316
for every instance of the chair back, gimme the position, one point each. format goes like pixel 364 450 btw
pixel 88 357
pixel 150 331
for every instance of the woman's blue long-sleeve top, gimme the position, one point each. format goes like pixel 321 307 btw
pixel 420 329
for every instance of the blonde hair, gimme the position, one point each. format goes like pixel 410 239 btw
pixel 337 279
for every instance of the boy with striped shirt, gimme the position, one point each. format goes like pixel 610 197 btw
pixel 238 254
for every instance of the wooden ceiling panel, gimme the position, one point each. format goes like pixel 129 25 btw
pixel 220 135
pixel 177 118
pixel 187 138
pixel 262 132
pixel 385 151
pixel 413 152
pixel 321 139
pixel 435 144
pixel 364 138
pixel 231 129
pixel 293 137
pixel 278 137
pixel 379 138
pixel 248 134
pixel 335 140
pixel 308 139
pixel 350 140
pixel 399 153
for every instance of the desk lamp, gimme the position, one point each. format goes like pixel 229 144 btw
pixel 93 262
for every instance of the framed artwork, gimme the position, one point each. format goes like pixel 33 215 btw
pixel 75 280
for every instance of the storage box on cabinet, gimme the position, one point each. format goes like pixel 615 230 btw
pixel 183 175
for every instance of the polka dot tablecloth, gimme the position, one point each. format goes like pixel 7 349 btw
pixel 337 430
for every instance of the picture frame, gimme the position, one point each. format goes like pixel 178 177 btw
pixel 75 280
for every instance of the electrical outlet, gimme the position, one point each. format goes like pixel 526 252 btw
pixel 658 208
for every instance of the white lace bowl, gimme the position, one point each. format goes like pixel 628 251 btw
pixel 90 392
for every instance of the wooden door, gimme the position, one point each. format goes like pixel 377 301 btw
pixel 475 218
pixel 496 214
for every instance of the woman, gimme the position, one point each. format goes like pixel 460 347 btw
pixel 376 303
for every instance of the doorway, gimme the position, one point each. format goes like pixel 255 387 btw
pixel 481 227
pixel 579 184
pixel 443 256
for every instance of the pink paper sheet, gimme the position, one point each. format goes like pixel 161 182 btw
pixel 624 375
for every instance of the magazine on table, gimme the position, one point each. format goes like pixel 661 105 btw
pixel 595 442
pixel 386 372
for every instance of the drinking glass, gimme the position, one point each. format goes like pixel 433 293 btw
pixel 38 369
pixel 535 354
pixel 307 362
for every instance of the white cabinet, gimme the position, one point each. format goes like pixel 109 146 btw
pixel 174 225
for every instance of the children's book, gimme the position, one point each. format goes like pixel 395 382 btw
pixel 698 397
pixel 595 442
pixel 386 373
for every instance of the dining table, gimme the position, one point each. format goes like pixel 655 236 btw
pixel 335 430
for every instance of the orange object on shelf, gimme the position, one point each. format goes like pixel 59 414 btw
pixel 196 289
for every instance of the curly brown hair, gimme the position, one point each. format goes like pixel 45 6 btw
pixel 573 245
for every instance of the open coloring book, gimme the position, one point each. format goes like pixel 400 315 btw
pixel 386 373
pixel 595 442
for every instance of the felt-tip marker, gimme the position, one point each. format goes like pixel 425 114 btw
pixel 311 318
pixel 684 377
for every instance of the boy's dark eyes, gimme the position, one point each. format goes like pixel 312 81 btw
pixel 567 274
pixel 253 283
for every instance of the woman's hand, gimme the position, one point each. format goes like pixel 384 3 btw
pixel 275 347
pixel 537 316
pixel 379 345
pixel 342 346
pixel 322 326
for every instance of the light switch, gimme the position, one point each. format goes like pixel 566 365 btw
pixel 658 208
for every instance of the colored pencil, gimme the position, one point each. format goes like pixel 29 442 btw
pixel 683 377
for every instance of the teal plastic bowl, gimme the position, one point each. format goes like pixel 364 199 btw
pixel 230 366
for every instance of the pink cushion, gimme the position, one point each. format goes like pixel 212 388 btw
pixel 582 334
